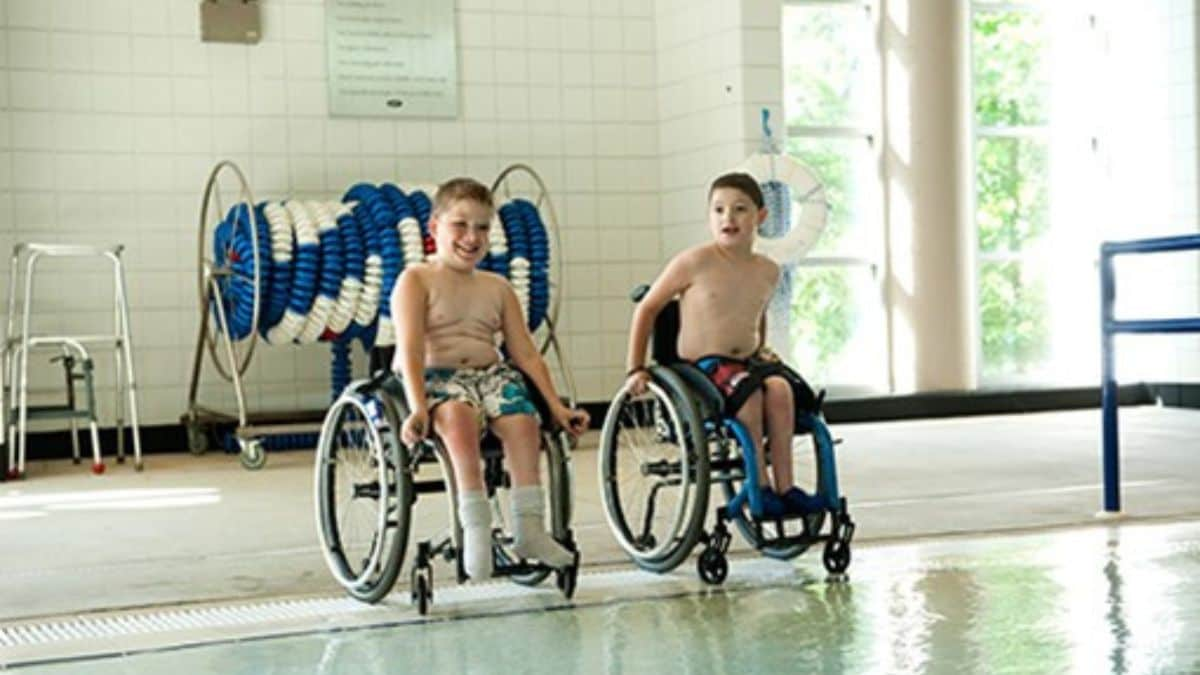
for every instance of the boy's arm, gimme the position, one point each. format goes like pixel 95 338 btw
pixel 525 356
pixel 675 279
pixel 763 350
pixel 408 301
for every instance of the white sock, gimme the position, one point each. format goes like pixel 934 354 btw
pixel 530 539
pixel 475 516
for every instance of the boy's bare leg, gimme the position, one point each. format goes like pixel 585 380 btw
pixel 458 426
pixel 781 424
pixel 522 444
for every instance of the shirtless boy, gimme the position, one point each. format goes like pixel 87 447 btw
pixel 723 287
pixel 448 317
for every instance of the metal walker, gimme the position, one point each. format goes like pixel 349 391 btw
pixel 20 341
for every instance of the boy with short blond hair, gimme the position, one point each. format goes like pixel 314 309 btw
pixel 448 316
pixel 723 288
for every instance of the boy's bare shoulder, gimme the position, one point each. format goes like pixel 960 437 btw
pixel 421 272
pixel 492 279
pixel 695 255
pixel 766 264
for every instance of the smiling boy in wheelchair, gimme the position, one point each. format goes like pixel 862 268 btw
pixel 450 317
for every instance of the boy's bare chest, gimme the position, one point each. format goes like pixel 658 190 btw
pixel 729 291
pixel 476 304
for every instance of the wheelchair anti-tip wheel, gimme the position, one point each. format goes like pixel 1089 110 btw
pixel 363 495
pixel 654 472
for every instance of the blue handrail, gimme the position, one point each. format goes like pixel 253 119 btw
pixel 1110 327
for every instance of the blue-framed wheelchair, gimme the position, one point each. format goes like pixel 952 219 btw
pixel 661 452
pixel 366 486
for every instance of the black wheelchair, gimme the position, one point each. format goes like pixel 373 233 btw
pixel 366 487
pixel 661 451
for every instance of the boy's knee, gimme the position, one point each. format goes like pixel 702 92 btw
pixel 779 391
pixel 456 419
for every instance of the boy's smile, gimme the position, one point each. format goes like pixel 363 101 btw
pixel 461 232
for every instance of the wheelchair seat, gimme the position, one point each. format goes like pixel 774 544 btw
pixel 711 402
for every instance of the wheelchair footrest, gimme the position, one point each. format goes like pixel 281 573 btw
pixel 518 569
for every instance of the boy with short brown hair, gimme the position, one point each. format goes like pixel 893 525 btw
pixel 723 288
pixel 448 316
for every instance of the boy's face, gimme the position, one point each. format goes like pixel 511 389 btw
pixel 461 233
pixel 733 217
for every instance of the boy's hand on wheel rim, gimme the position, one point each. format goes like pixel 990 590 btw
pixel 574 422
pixel 415 428
pixel 636 382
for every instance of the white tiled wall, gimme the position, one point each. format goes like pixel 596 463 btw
pixel 719 65
pixel 115 112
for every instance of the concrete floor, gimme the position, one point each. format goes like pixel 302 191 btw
pixel 202 529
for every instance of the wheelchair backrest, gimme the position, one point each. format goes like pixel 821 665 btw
pixel 664 338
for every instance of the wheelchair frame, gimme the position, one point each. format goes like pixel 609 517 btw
pixel 367 416
pixel 673 413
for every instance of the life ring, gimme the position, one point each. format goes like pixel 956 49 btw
pixel 796 206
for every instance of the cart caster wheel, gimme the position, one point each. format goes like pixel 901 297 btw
pixel 712 566
pixel 836 556
pixel 252 457
pixel 98 468
pixel 13 474
pixel 197 439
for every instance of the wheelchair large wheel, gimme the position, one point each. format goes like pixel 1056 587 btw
pixel 363 495
pixel 654 476
pixel 556 477
pixel 787 530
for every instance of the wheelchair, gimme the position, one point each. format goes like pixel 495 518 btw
pixel 366 486
pixel 662 451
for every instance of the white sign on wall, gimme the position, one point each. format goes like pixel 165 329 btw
pixel 392 58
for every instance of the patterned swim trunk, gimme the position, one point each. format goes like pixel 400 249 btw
pixel 495 391
pixel 724 372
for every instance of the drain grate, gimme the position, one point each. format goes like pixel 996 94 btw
pixel 124 625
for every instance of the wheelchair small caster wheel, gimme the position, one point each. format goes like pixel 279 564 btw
pixel 567 577
pixel 836 556
pixel 98 468
pixel 14 474
pixel 712 566
pixel 422 594
pixel 252 457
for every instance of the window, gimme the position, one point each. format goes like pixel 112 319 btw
pixel 833 328
pixel 1035 177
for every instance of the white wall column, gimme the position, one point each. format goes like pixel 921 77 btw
pixel 926 198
